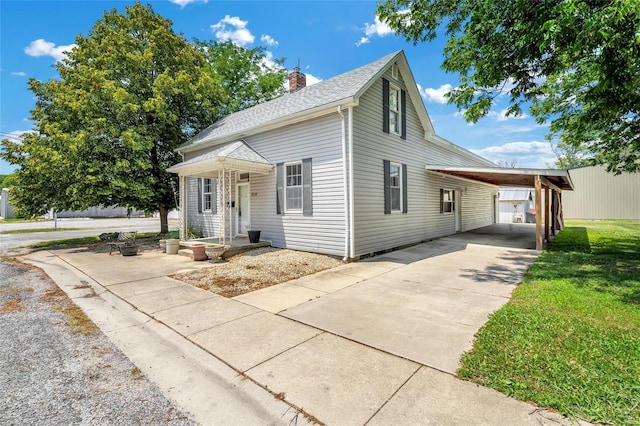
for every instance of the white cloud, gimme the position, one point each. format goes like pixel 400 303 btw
pixel 379 29
pixel 435 95
pixel 41 47
pixel 268 40
pixel 312 79
pixel 502 115
pixel 15 136
pixel 233 28
pixel 19 74
pixel 532 154
pixel 183 3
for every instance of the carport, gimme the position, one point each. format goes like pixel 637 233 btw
pixel 553 182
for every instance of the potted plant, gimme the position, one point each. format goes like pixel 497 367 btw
pixel 129 249
pixel 254 236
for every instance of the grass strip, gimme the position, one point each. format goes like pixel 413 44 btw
pixel 30 231
pixel 570 337
pixel 88 240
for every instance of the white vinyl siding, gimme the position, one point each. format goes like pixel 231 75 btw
pixel 319 139
pixel 206 222
pixel 375 231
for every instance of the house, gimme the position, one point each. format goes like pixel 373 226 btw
pixel 516 205
pixel 6 209
pixel 603 195
pixel 350 166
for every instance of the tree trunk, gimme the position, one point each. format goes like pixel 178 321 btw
pixel 164 221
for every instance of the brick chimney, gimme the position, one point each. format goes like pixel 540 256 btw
pixel 297 80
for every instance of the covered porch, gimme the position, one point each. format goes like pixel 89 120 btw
pixel 223 164
pixel 552 181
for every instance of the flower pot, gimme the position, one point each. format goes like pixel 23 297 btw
pixel 254 236
pixel 173 246
pixel 129 250
pixel 163 245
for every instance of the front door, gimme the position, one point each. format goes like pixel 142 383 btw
pixel 458 210
pixel 243 210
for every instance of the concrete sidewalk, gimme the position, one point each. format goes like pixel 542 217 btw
pixel 352 345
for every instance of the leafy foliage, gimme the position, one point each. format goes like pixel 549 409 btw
pixel 571 156
pixel 245 76
pixel 6 181
pixel 128 95
pixel 572 324
pixel 576 61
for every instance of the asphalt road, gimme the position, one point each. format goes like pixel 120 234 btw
pixel 86 228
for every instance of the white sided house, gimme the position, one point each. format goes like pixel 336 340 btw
pixel 341 167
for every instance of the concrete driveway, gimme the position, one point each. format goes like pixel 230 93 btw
pixel 371 342
pixel 424 303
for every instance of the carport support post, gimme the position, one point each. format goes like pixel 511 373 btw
pixel 547 210
pixel 538 184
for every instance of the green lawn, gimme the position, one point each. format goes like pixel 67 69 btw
pixel 570 337
pixel 141 237
pixel 31 231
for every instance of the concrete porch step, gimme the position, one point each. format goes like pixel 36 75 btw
pixel 232 251
pixel 216 252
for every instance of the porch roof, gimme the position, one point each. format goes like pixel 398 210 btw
pixel 236 155
pixel 507 177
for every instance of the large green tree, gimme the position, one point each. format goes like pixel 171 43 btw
pixel 129 93
pixel 246 76
pixel 576 62
pixel 570 156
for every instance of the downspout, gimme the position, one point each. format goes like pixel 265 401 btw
pixel 345 187
pixel 352 248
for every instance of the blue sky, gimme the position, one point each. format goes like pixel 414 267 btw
pixel 326 37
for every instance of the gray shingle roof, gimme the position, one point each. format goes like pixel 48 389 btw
pixel 335 89
pixel 237 150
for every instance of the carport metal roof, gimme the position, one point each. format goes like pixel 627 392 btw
pixel 508 177
pixel 554 180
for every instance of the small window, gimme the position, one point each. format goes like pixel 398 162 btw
pixel 394 110
pixel 394 71
pixel 395 187
pixel 242 177
pixel 293 187
pixel 447 201
pixel 207 194
pixel 395 183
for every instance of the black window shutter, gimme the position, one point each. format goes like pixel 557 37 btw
pixel 385 105
pixel 387 186
pixel 403 113
pixel 453 201
pixel 307 196
pixel 441 200
pixel 404 189
pixel 214 196
pixel 199 195
pixel 280 188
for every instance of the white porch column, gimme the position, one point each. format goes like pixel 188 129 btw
pixel 221 212
pixel 182 185
pixel 224 211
